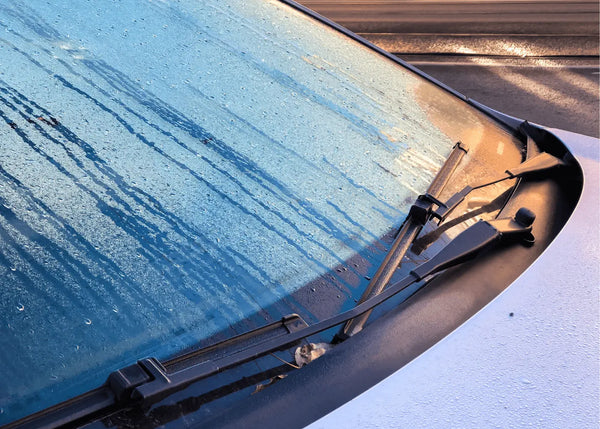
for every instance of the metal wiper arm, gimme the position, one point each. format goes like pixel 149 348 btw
pixel 543 161
pixel 148 380
pixel 463 248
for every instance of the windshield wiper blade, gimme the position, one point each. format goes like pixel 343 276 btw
pixel 149 380
pixel 120 384
pixel 416 219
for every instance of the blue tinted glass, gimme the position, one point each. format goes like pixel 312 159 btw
pixel 168 168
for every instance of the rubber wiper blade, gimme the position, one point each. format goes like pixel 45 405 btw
pixel 416 219
pixel 152 379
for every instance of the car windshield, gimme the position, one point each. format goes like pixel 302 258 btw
pixel 172 170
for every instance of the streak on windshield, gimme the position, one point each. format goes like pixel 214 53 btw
pixel 168 169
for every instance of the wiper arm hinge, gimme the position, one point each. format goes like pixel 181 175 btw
pixel 542 162
pixel 422 210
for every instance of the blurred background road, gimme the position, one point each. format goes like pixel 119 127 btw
pixel 534 59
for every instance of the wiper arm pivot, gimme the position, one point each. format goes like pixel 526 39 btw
pixel 543 161
pixel 468 243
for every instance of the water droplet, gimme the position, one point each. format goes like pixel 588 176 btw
pixel 20 307
pixel 87 321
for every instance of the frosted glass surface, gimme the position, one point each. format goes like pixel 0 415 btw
pixel 168 168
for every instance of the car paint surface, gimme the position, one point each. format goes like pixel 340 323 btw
pixel 529 358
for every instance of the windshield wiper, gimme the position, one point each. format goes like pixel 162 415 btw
pixel 428 207
pixel 149 380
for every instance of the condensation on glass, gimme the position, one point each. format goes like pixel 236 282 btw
pixel 168 168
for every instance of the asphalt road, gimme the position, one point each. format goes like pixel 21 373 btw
pixel 462 16
pixel 559 93
pixel 533 59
